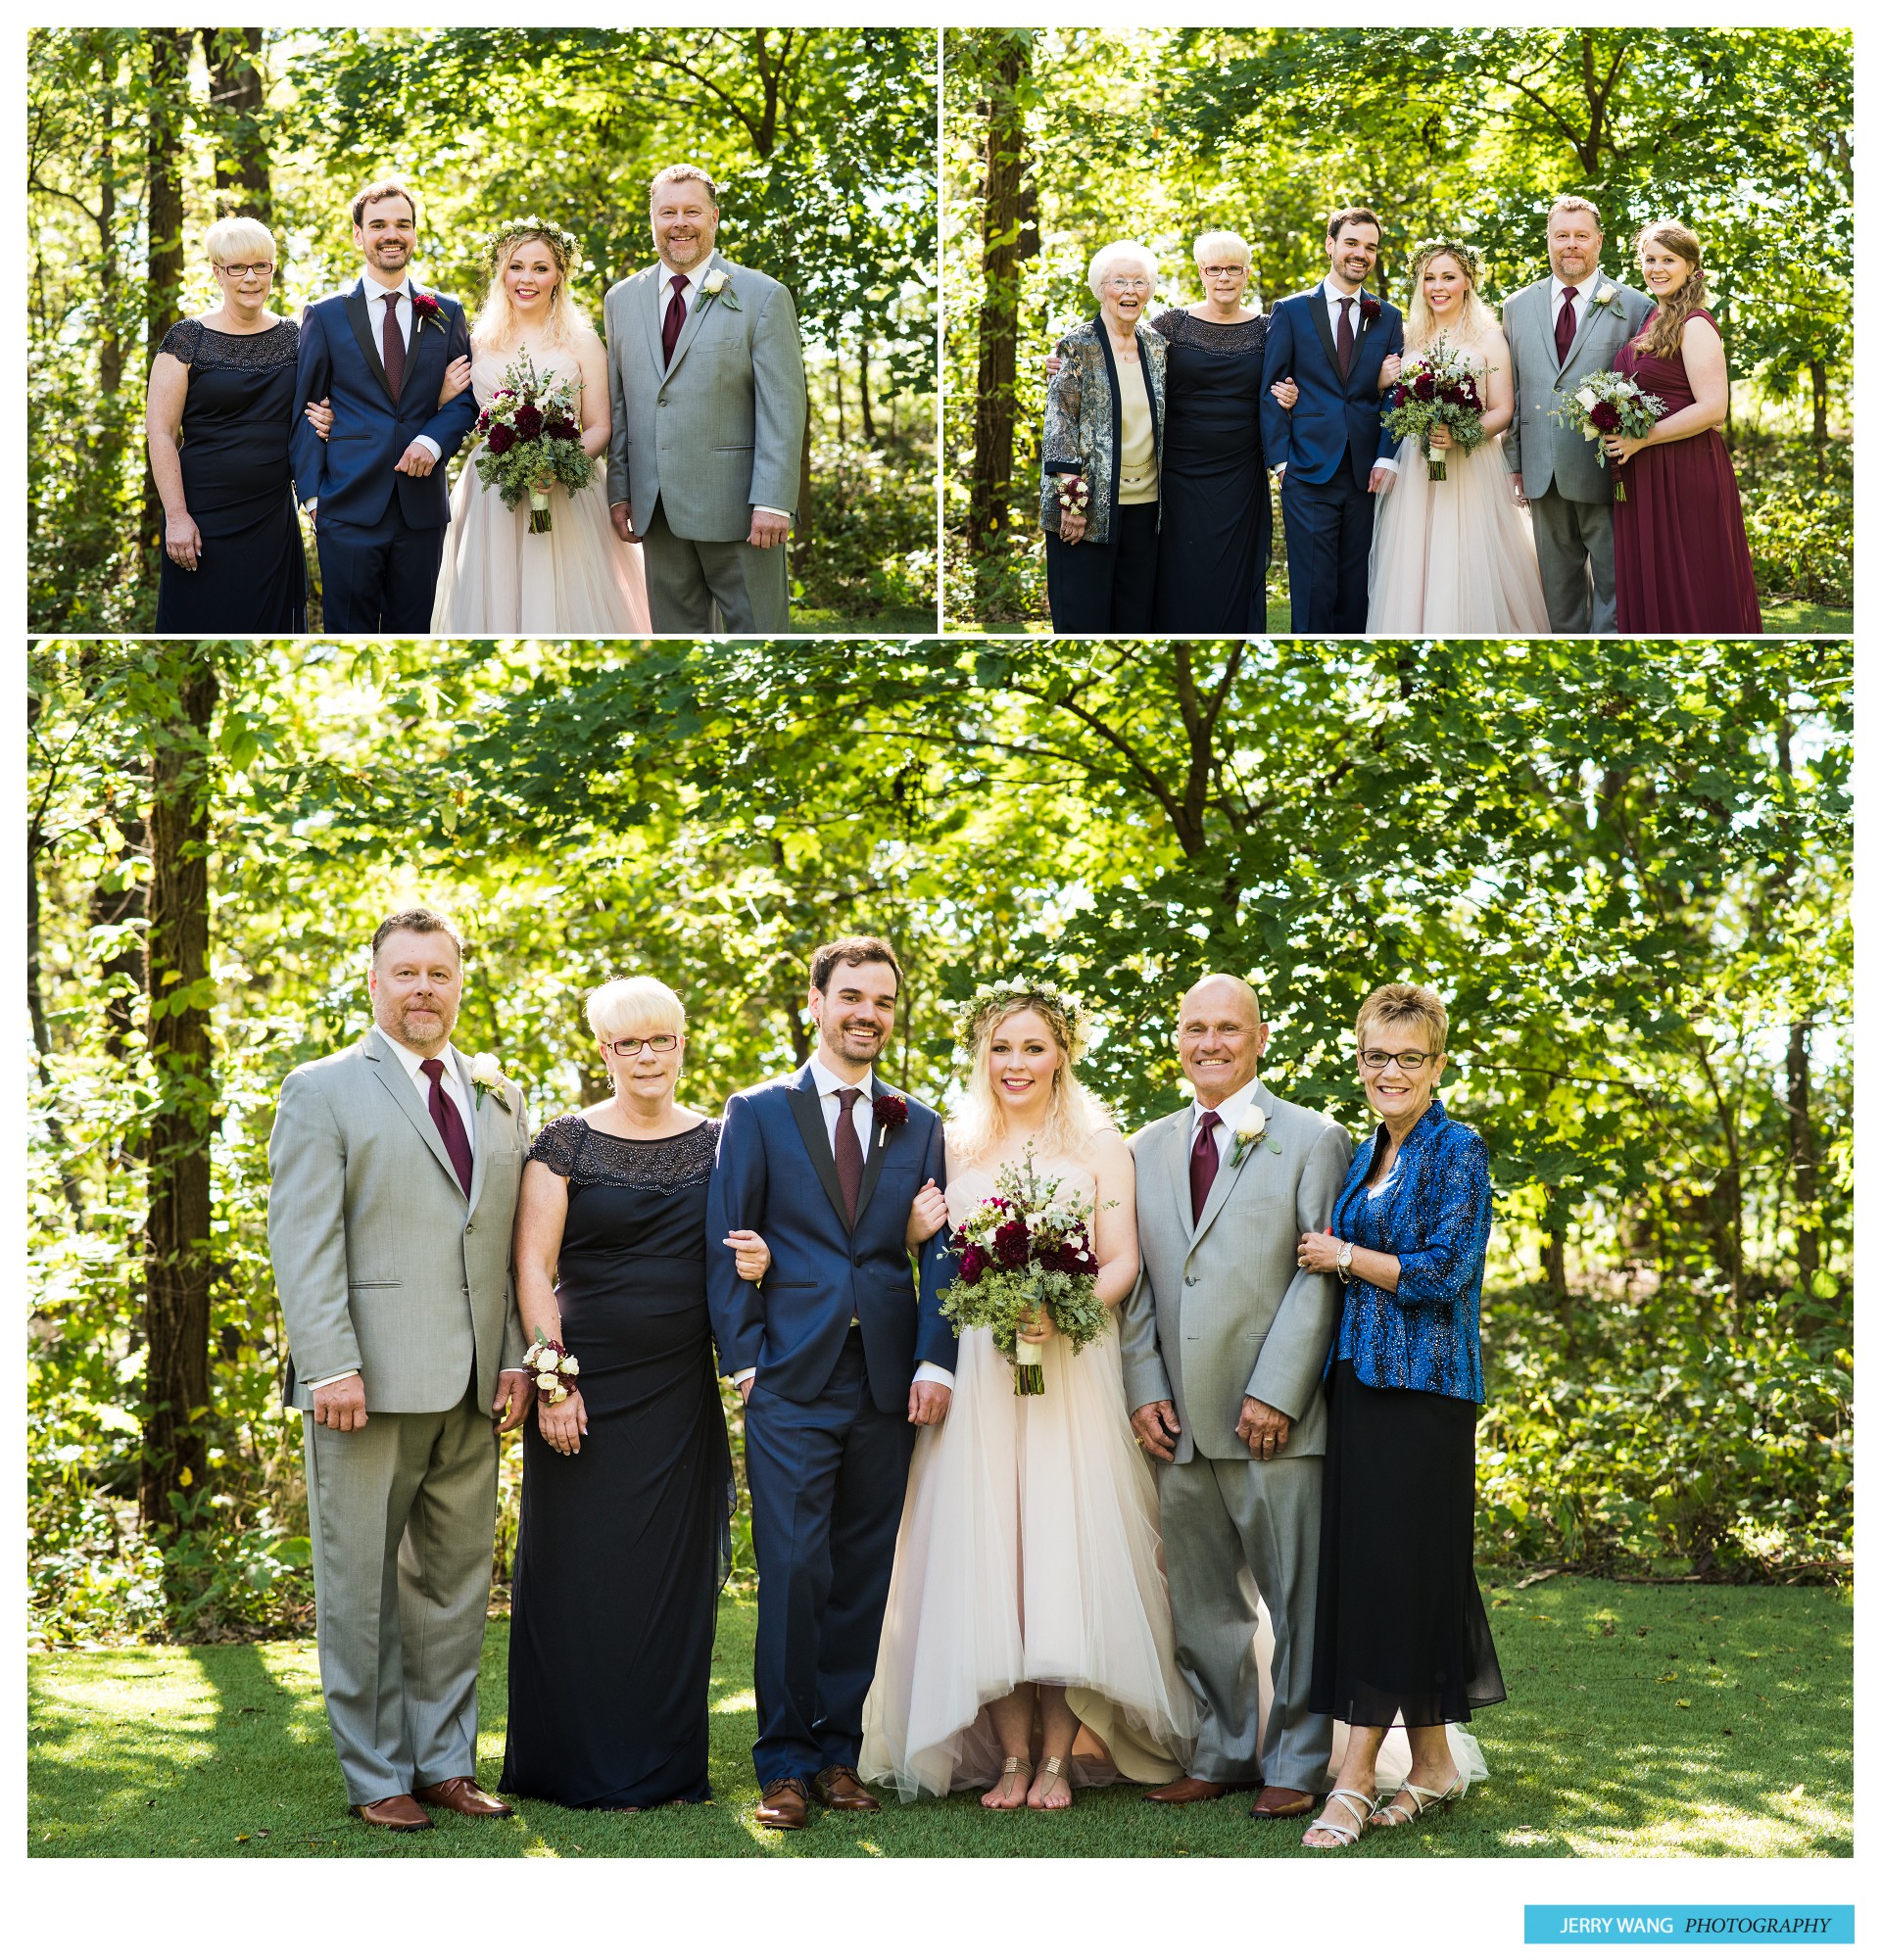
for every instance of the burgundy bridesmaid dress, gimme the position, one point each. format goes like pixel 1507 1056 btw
pixel 1681 563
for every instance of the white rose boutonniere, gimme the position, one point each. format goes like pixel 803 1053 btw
pixel 717 285
pixel 1607 296
pixel 486 1078
pixel 1250 1130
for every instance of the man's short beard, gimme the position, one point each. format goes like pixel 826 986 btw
pixel 844 1037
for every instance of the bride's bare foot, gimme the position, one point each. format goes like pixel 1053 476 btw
pixel 1051 1788
pixel 1009 1792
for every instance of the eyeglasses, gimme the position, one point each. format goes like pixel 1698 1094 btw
pixel 242 272
pixel 1411 1060
pixel 654 1044
pixel 1121 285
pixel 1221 271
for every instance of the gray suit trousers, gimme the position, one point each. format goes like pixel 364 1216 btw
pixel 1574 544
pixel 401 1636
pixel 1236 1533
pixel 685 575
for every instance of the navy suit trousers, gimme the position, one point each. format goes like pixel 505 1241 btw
pixel 378 578
pixel 826 1479
pixel 1328 549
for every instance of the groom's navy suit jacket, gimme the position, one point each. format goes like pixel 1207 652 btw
pixel 352 474
pixel 1334 418
pixel 776 1175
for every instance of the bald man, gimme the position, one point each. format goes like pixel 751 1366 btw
pixel 1225 1342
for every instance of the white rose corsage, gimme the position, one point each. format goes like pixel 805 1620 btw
pixel 486 1077
pixel 717 285
pixel 551 1367
pixel 1074 493
pixel 1250 1130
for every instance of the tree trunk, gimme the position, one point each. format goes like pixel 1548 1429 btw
pixel 803 521
pixel 110 339
pixel 835 373
pixel 176 1254
pixel 163 199
pixel 36 1005
pixel 1820 425
pixel 989 505
pixel 242 186
pixel 862 382
pixel 1808 1244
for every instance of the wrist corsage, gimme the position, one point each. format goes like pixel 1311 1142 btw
pixel 1074 493
pixel 551 1367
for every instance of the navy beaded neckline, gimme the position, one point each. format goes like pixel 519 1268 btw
pixel 573 1147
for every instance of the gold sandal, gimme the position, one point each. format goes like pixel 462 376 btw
pixel 1054 1766
pixel 1012 1766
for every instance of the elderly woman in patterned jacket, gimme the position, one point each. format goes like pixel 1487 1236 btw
pixel 1103 452
pixel 1402 1631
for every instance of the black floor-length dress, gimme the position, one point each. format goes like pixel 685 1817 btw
pixel 238 414
pixel 622 1549
pixel 1217 523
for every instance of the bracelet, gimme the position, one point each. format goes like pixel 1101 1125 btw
pixel 1344 1266
pixel 554 1368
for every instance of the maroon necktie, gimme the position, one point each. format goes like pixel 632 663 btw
pixel 444 1113
pixel 1564 324
pixel 848 1152
pixel 1203 1163
pixel 1345 369
pixel 392 347
pixel 675 317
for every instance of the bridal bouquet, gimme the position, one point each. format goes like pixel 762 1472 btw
pixel 1024 1247
pixel 532 441
pixel 1610 405
pixel 1437 388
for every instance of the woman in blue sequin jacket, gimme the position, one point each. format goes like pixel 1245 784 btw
pixel 1400 1632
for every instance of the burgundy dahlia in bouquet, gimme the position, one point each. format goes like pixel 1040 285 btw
pixel 1437 388
pixel 1027 1250
pixel 1609 404
pixel 532 441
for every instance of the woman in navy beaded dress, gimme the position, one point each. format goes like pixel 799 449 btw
pixel 1401 1630
pixel 625 1535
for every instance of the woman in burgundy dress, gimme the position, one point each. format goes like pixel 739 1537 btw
pixel 1681 563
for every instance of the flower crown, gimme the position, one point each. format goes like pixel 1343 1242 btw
pixel 562 242
pixel 1065 1013
pixel 1432 248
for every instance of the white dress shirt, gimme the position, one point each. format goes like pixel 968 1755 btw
pixel 455 1087
pixel 863 1120
pixel 693 280
pixel 401 314
pixel 1233 1112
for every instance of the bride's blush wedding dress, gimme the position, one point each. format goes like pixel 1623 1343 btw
pixel 1459 555
pixel 501 577
pixel 1029 1551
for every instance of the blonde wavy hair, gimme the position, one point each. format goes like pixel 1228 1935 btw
pixel 1666 329
pixel 497 324
pixel 1474 318
pixel 976 1125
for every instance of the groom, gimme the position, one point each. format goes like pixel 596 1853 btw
pixel 1331 452
pixel 706 369
pixel 1559 330
pixel 1224 1345
pixel 838 1357
pixel 376 489
pixel 394 1188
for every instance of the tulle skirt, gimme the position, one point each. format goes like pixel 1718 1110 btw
pixel 1456 556
pixel 501 577
pixel 1029 1551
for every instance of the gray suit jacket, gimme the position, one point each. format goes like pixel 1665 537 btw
pixel 1546 451
pixel 722 429
pixel 1220 1309
pixel 382 1263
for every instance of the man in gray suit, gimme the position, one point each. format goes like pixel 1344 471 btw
pixel 1559 330
pixel 706 373
pixel 1225 1342
pixel 395 1174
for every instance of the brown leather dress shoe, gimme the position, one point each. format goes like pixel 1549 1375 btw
pixel 392 1813
pixel 785 1804
pixel 1277 1802
pixel 1190 1789
pixel 462 1795
pixel 839 1787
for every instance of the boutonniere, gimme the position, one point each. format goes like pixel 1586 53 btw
pixel 1369 309
pixel 890 1111
pixel 717 285
pixel 1250 1130
pixel 1607 295
pixel 486 1077
pixel 426 306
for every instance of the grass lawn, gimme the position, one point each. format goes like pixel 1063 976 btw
pixel 1643 1721
pixel 1798 616
pixel 890 620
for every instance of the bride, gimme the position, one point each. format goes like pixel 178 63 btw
pixel 1455 555
pixel 498 576
pixel 1027 1619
